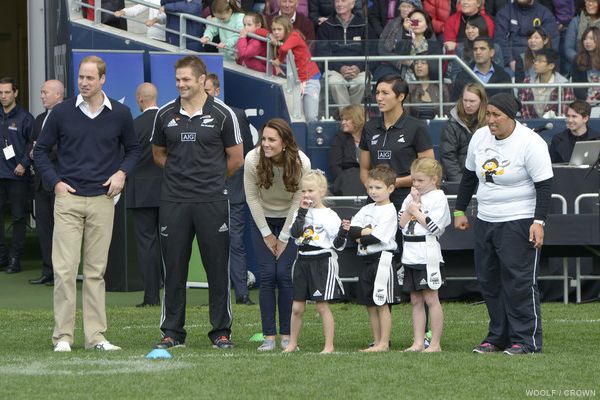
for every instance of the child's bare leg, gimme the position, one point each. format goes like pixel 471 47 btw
pixel 418 319
pixel 374 320
pixel 328 325
pixel 436 320
pixel 295 326
pixel 385 328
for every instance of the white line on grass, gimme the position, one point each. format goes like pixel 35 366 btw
pixel 79 366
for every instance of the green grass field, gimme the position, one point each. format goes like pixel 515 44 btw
pixel 29 369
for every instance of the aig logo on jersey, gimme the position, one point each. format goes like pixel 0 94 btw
pixel 188 136
pixel 384 154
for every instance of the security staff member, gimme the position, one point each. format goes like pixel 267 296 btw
pixel 51 94
pixel 237 205
pixel 196 139
pixel 143 197
pixel 16 127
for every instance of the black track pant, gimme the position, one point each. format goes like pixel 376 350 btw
pixel 148 251
pixel 209 222
pixel 507 269
pixel 44 226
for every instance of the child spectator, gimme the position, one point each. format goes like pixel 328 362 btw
pixel 374 229
pixel 226 12
pixel 545 99
pixel 315 278
pixel 423 217
pixel 155 22
pixel 308 71
pixel 249 48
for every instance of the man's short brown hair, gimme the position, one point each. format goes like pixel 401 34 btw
pixel 195 63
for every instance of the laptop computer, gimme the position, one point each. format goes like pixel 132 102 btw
pixel 585 153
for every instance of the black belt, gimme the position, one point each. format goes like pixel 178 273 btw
pixel 421 238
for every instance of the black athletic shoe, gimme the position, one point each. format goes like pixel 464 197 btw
pixel 41 280
pixel 168 343
pixel 244 300
pixel 144 304
pixel 14 266
pixel 517 350
pixel 485 348
pixel 223 342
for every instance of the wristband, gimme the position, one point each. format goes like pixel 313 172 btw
pixel 458 213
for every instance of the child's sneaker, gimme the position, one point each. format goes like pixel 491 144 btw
pixel 106 346
pixel 168 343
pixel 267 345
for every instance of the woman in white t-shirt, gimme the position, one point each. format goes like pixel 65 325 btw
pixel 272 175
pixel 510 166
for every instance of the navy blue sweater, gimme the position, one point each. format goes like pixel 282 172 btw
pixel 16 129
pixel 89 150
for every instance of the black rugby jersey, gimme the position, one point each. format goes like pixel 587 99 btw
pixel 398 146
pixel 196 166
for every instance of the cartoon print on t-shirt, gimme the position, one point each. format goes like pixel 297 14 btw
pixel 410 229
pixel 310 234
pixel 492 166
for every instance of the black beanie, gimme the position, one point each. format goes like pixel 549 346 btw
pixel 506 103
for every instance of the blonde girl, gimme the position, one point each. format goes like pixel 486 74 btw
pixel 317 230
pixel 423 217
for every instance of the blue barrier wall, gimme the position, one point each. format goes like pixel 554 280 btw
pixel 320 134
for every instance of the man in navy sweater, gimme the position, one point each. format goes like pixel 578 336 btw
pixel 90 131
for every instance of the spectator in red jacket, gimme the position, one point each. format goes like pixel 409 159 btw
pixel 308 71
pixel 454 29
pixel 439 11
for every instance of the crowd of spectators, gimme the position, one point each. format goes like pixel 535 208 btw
pixel 510 34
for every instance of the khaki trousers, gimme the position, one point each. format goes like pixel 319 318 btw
pixel 77 219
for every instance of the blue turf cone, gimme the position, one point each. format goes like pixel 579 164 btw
pixel 159 353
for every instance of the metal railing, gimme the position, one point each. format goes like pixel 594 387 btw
pixel 440 81
pixel 183 36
